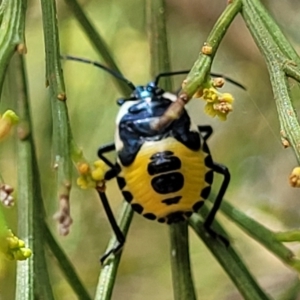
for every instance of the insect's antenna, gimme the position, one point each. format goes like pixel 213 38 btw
pixel 169 74
pixel 187 71
pixel 97 64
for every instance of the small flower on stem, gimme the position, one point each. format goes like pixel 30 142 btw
pixel 92 176
pixel 217 103
pixel 12 247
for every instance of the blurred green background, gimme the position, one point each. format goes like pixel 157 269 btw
pixel 248 143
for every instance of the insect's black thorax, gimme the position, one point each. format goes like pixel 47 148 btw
pixel 135 128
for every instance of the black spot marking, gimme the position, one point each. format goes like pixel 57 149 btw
pixel 205 192
pixel 121 182
pixel 127 195
pixel 163 164
pixel 209 177
pixel 208 161
pixel 198 205
pixel 175 217
pixel 150 216
pixel 161 220
pixel 188 214
pixel 137 207
pixel 168 183
pixel 170 201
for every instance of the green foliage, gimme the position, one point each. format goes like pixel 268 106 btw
pixel 86 119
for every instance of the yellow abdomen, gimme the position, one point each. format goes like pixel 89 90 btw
pixel 167 181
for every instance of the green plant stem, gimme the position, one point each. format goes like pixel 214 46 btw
pixel 98 42
pixel 261 234
pixel 276 61
pixel 61 127
pixel 183 287
pixel 32 275
pixel 229 260
pixel 108 273
pixel 201 68
pixel 11 32
pixel 292 71
pixel 288 236
pixel 66 266
pixel 157 33
pixel 276 33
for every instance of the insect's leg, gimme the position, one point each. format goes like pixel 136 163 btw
pixel 113 172
pixel 104 149
pixel 218 168
pixel 115 227
pixel 206 130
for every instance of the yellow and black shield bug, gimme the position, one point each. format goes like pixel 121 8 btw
pixel 164 174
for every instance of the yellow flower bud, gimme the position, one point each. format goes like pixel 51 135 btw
pixel 81 181
pixel 226 97
pixel 22 254
pixel 7 121
pixel 83 168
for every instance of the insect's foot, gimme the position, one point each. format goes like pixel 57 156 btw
pixel 115 250
pixel 216 235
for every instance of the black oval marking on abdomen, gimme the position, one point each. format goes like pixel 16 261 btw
pixel 170 201
pixel 168 183
pixel 164 164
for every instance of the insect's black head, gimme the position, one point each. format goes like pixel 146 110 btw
pixel 150 90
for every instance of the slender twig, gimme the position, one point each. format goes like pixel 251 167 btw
pixel 229 260
pixel 61 127
pixel 66 266
pixel 288 236
pixel 183 287
pixel 32 275
pixel 11 32
pixel 97 41
pixel 202 66
pixel 276 33
pixel 264 236
pixel 108 273
pixel 276 63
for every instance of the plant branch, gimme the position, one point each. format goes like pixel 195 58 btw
pixel 261 234
pixel 276 63
pixel 201 69
pixel 276 33
pixel 108 273
pixel 12 37
pixel 32 274
pixel 98 42
pixel 66 266
pixel 61 127
pixel 228 259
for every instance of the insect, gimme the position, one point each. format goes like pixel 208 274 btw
pixel 164 174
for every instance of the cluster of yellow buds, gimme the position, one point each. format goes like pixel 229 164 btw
pixel 12 247
pixel 92 176
pixel 217 104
